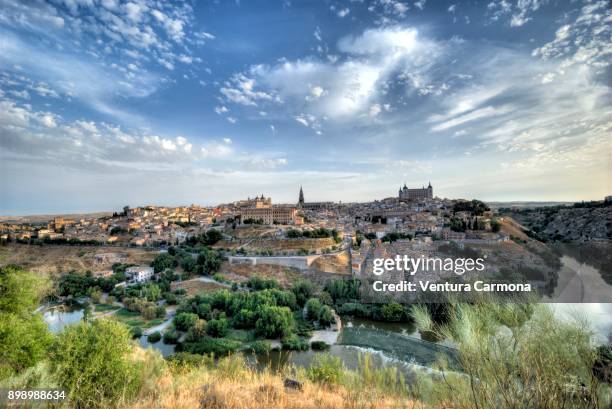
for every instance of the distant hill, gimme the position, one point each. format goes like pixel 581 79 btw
pixel 579 223
pixel 44 218
pixel 525 205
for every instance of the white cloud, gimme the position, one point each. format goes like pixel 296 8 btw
pixel 477 114
pixel 241 90
pixel 46 138
pixel 585 41
pixel 221 110
pixel 339 91
pixel 269 163
pixel 343 12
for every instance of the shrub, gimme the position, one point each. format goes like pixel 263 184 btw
pixel 545 362
pixel 91 362
pixel 303 290
pixel 313 308
pixel 154 337
pixel 136 332
pixel 355 309
pixel 326 316
pixel 392 311
pixel 325 369
pixel 319 345
pixel 217 328
pixel 215 346
pixel 259 347
pixel 185 320
pixel 162 262
pixel 274 322
pixel 294 343
pixel 170 337
pixel 24 337
pixel 187 360
pixel 160 311
pixel 257 283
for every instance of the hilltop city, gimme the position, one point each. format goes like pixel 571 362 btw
pixel 413 212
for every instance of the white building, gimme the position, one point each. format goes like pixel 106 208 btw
pixel 139 274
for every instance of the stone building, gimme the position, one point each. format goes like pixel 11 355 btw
pixel 408 194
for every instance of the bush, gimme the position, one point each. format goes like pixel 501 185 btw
pixel 259 347
pixel 326 316
pixel 355 309
pixel 154 337
pixel 170 337
pixel 313 308
pixel 274 322
pixel 217 328
pixel 188 361
pixel 160 311
pixel 325 369
pixel 170 298
pixel 392 311
pixel 294 343
pixel 544 363
pixel 162 262
pixel 24 337
pixel 136 332
pixel 91 360
pixel 303 290
pixel 185 320
pixel 216 346
pixel 319 345
pixel 257 283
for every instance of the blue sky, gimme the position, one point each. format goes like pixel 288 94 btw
pixel 105 103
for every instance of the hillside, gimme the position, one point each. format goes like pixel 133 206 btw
pixel 570 224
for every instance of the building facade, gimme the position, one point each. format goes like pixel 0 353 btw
pixel 139 274
pixel 408 194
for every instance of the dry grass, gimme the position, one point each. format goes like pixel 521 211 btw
pixel 247 389
pixel 335 264
pixel 194 286
pixel 242 272
pixel 52 259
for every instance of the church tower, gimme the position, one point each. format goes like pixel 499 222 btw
pixel 301 198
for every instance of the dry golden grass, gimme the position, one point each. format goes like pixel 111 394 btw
pixel 53 259
pixel 194 286
pixel 247 389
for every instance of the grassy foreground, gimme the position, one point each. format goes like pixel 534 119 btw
pixel 232 384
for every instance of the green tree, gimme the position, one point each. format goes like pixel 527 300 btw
pixel 208 262
pixel 24 337
pixel 274 322
pixel 212 236
pixel 326 316
pixel 151 292
pixel 91 361
pixel 217 328
pixel 185 320
pixel 162 262
pixel 303 290
pixel 313 307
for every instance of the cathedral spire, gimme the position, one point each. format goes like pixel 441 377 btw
pixel 301 197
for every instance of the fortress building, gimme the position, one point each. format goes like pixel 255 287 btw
pixel 415 194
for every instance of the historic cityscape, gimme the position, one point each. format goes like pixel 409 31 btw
pixel 298 204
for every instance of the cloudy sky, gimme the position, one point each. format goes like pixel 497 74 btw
pixel 105 103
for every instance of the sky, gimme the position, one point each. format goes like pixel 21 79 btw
pixel 106 103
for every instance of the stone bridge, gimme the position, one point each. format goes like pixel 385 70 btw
pixel 299 262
